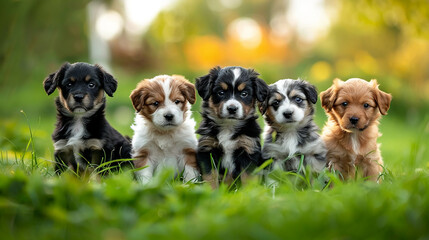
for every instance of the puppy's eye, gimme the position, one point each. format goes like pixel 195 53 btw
pixel 366 105
pixel 221 93
pixel 156 104
pixel 69 84
pixel 298 100
pixel 275 103
pixel 345 104
pixel 177 101
pixel 244 94
pixel 91 85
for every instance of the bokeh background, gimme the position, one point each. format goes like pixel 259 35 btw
pixel 316 40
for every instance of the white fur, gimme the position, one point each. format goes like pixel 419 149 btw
pixel 237 73
pixel 287 104
pixel 169 107
pixel 228 147
pixel 355 142
pixel 165 147
pixel 287 147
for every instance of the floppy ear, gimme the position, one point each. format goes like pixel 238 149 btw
pixel 186 88
pixel 260 87
pixel 109 83
pixel 382 99
pixel 137 98
pixel 310 92
pixel 329 96
pixel 204 84
pixel 51 82
pixel 263 106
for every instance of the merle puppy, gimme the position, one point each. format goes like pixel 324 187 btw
pixel 83 138
pixel 290 131
pixel 229 133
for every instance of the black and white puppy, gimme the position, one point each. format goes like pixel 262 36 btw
pixel 289 128
pixel 83 138
pixel 229 133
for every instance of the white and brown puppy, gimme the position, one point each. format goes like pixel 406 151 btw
pixel 163 129
pixel 289 117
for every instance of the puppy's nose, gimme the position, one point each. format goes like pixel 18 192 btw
pixel 288 114
pixel 232 109
pixel 78 97
pixel 168 116
pixel 354 120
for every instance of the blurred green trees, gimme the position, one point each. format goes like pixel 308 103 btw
pixel 38 35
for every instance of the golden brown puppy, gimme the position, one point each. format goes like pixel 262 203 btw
pixel 354 108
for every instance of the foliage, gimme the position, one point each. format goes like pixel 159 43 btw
pixel 41 207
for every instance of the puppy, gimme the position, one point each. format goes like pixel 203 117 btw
pixel 163 129
pixel 229 134
pixel 354 108
pixel 289 117
pixel 83 138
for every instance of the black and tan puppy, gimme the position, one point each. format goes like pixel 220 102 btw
pixel 83 138
pixel 229 133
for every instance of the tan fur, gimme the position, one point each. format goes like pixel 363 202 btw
pixel 190 157
pixel 212 179
pixel 146 93
pixel 247 143
pixel 141 158
pixel 354 147
pixel 241 86
pixel 207 143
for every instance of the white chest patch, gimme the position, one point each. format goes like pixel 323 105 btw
pixel 355 143
pixel 228 147
pixel 287 146
pixel 75 141
pixel 76 133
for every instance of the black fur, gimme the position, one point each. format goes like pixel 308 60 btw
pixel 96 130
pixel 211 126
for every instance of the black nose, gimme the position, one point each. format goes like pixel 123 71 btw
pixel 231 109
pixel 168 116
pixel 287 114
pixel 354 120
pixel 78 97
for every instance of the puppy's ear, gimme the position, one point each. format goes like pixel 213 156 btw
pixel 260 87
pixel 137 98
pixel 311 92
pixel 382 99
pixel 263 106
pixel 329 96
pixel 204 84
pixel 186 88
pixel 109 83
pixel 51 82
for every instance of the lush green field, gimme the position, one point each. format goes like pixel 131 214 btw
pixel 35 204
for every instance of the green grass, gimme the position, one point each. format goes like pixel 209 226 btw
pixel 37 204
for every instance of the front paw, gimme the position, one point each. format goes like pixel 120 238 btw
pixel 265 155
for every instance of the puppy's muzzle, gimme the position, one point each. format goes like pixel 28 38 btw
pixel 78 97
pixel 354 120
pixel 288 114
pixel 169 117
pixel 232 109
